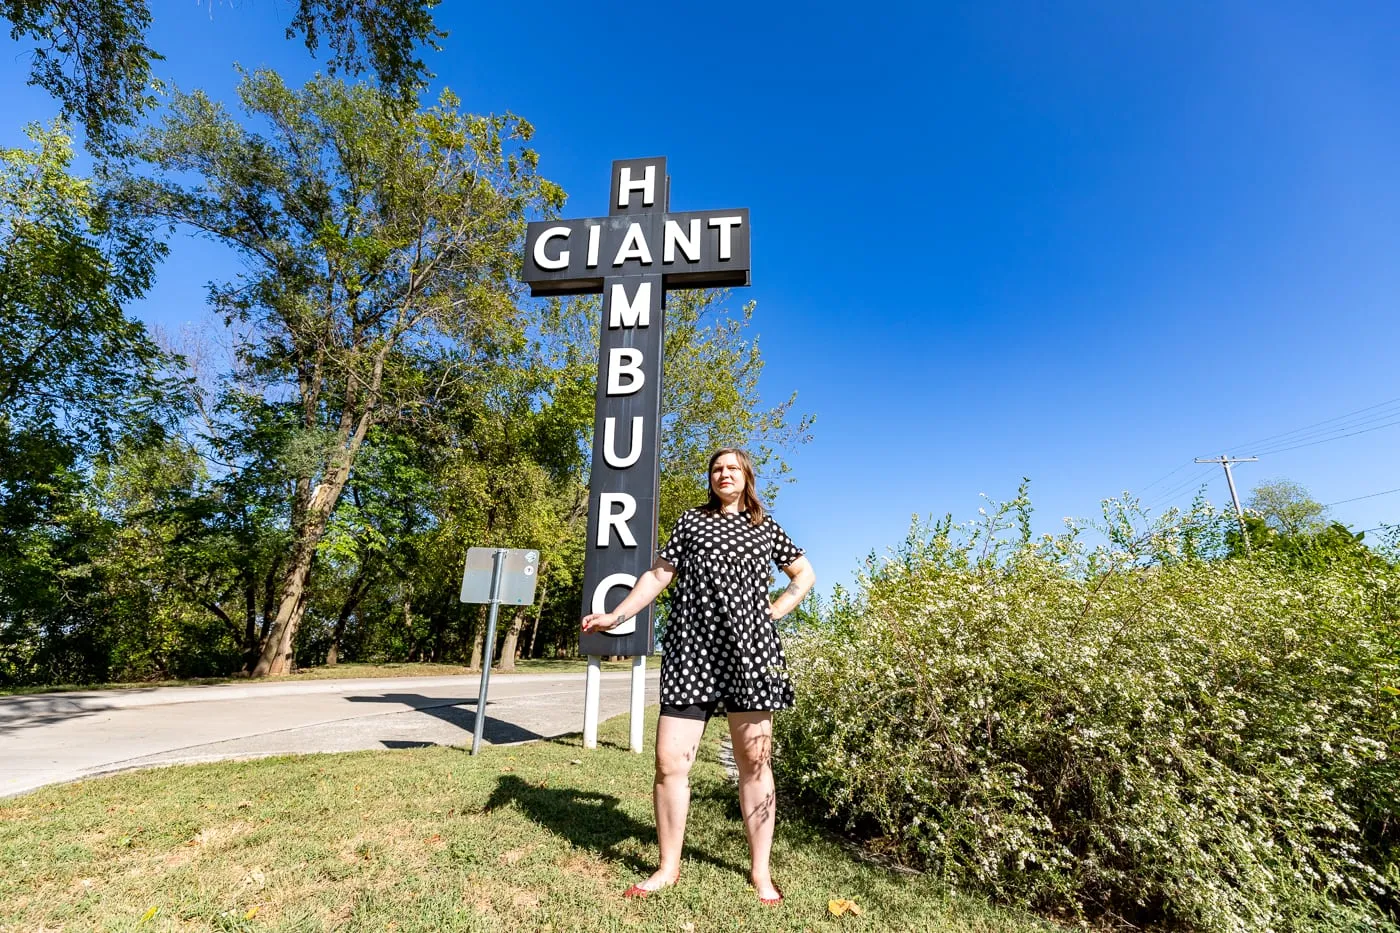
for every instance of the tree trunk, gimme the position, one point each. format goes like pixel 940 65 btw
pixel 276 655
pixel 539 610
pixel 517 622
pixel 480 639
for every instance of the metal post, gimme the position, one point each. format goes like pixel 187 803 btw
pixel 639 693
pixel 592 684
pixel 1227 461
pixel 1235 498
pixel 490 649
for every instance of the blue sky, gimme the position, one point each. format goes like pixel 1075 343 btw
pixel 1079 242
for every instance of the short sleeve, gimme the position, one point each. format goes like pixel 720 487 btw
pixel 675 545
pixel 785 553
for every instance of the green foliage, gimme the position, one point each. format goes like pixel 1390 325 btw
pixel 381 36
pixel 1145 729
pixel 1287 508
pixel 76 377
pixel 93 57
pixel 70 261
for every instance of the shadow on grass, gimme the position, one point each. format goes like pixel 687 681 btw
pixel 498 732
pixel 588 820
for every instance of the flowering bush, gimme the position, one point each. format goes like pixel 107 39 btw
pixel 1148 730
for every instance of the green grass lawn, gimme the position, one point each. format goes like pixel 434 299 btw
pixel 341 671
pixel 536 837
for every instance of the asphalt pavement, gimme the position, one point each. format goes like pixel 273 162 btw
pixel 50 738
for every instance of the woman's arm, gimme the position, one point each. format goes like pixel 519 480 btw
pixel 801 576
pixel 648 586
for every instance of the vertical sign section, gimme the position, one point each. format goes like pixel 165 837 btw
pixel 624 479
pixel 632 256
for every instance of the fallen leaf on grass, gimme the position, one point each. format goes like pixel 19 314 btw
pixel 252 912
pixel 148 915
pixel 840 905
pixel 435 837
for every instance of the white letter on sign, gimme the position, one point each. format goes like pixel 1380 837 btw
pixel 600 596
pixel 632 369
pixel 610 443
pixel 647 186
pixel 594 232
pixel 689 245
pixel 725 224
pixel 634 313
pixel 542 259
pixel 607 520
pixel 634 246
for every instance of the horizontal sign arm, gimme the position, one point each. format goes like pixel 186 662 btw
pixel 694 249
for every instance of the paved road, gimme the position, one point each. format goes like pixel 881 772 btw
pixel 54 737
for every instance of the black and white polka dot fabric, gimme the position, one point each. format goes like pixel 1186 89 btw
pixel 720 641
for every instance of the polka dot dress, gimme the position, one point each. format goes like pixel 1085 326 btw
pixel 720 642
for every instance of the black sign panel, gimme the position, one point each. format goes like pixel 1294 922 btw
pixel 632 256
pixel 695 249
pixel 624 480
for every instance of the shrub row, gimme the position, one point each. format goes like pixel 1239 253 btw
pixel 1150 730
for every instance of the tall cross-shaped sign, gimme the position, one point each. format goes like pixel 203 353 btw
pixel 633 256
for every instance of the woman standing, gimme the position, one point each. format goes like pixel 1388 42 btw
pixel 721 646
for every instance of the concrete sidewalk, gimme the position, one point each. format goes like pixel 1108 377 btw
pixel 55 737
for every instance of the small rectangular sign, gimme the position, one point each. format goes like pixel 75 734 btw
pixel 519 572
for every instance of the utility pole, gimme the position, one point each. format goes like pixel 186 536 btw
pixel 1226 460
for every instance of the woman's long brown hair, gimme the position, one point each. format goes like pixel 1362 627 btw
pixel 749 500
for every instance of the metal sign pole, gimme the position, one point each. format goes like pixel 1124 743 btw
pixel 490 648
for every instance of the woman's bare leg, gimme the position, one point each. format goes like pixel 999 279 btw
pixel 752 734
pixel 677 741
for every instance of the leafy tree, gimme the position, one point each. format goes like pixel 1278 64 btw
pixel 70 262
pixel 1285 522
pixel 93 57
pixel 76 374
pixel 379 246
pixel 1287 507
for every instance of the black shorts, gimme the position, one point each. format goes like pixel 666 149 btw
pixel 701 712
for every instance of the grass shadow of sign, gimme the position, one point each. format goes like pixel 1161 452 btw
pixel 587 819
pixel 450 710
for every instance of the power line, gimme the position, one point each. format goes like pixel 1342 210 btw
pixel 1307 427
pixel 1167 476
pixel 1359 498
pixel 1388 415
pixel 1279 450
pixel 1195 479
pixel 1335 428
